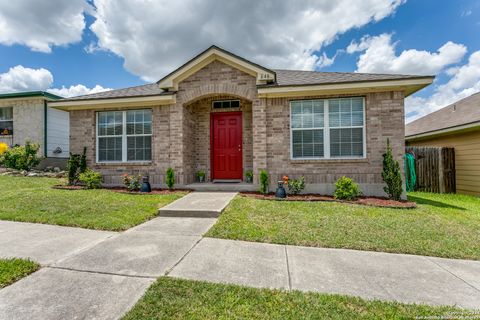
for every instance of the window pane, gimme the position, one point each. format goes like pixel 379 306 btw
pixel 345 119
pixel 346 142
pixel 297 150
pixel 297 136
pixel 296 107
pixel 307 121
pixel 110 149
pixel 357 118
pixel 307 136
pixel 345 105
pixel 334 119
pixel 6 128
pixel 296 120
pixel 357 104
pixel 139 148
pixel 110 123
pixel 6 113
pixel 334 105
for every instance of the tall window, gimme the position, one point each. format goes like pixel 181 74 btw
pixel 124 136
pixel 328 128
pixel 6 121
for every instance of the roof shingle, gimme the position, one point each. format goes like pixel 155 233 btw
pixel 462 112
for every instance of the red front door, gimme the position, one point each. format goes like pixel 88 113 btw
pixel 226 145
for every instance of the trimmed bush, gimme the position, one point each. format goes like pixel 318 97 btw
pixel 132 182
pixel 170 178
pixel 76 165
pixel 264 181
pixel 391 175
pixel 92 179
pixel 295 186
pixel 346 189
pixel 21 157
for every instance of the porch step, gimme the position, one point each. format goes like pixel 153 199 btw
pixel 222 186
pixel 198 205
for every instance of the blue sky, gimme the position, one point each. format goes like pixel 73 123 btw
pixel 114 46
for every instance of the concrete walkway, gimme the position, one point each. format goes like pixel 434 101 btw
pixel 103 276
pixel 198 205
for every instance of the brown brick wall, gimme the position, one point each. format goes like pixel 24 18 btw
pixel 384 119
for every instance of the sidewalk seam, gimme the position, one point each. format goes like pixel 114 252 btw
pixel 453 274
pixel 169 270
pixel 103 273
pixel 288 269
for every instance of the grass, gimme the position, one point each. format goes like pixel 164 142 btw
pixel 31 199
pixel 184 299
pixel 14 269
pixel 442 225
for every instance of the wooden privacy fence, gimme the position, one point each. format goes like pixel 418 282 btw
pixel 435 169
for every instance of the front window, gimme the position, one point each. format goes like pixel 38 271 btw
pixel 327 128
pixel 124 136
pixel 6 121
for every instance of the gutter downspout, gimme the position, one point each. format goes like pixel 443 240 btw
pixel 45 113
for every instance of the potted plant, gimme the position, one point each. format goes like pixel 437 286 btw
pixel 249 176
pixel 201 175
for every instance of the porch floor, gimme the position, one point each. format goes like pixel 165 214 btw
pixel 222 186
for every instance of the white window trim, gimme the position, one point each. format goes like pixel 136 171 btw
pixel 326 133
pixel 124 140
pixel 7 120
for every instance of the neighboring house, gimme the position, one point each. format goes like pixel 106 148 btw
pixel 457 126
pixel 25 116
pixel 225 115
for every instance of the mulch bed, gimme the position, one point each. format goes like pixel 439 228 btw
pixel 121 190
pixel 366 201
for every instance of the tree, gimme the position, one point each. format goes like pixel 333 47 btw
pixel 391 175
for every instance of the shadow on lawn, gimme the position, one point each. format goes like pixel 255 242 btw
pixel 420 200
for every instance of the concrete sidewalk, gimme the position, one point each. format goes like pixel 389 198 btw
pixel 102 275
pixel 385 276
pixel 198 205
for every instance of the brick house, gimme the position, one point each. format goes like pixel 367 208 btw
pixel 226 115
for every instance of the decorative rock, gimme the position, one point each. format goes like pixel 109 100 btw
pixel 56 169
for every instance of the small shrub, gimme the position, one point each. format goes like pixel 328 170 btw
pixel 21 157
pixel 295 186
pixel 170 178
pixel 201 175
pixel 391 175
pixel 346 189
pixel 82 164
pixel 132 182
pixel 249 175
pixel 264 181
pixel 92 179
pixel 73 164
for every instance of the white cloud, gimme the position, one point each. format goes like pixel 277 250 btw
pixel 78 90
pixel 324 61
pixel 378 56
pixel 464 82
pixel 19 78
pixel 42 24
pixel 154 37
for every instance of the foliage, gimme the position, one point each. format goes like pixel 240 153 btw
pixel 201 174
pixel 102 209
pixel 249 175
pixel 170 298
pixel 132 182
pixel 14 269
pixel 295 186
pixel 391 175
pixel 76 165
pixel 21 157
pixel 170 178
pixel 346 189
pixel 3 147
pixel 92 179
pixel 264 181
pixel 442 225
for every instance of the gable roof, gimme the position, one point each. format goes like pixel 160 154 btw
pixel 262 74
pixel 457 116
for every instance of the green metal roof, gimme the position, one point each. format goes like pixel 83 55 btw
pixel 30 94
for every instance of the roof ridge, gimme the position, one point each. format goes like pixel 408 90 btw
pixel 125 88
pixel 365 73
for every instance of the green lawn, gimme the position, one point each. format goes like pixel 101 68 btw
pixel 441 225
pixel 183 299
pixel 32 199
pixel 14 269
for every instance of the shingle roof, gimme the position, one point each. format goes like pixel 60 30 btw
pixel 296 77
pixel 150 89
pixel 465 111
pixel 284 78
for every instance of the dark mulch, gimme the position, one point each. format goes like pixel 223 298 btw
pixel 366 201
pixel 122 190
